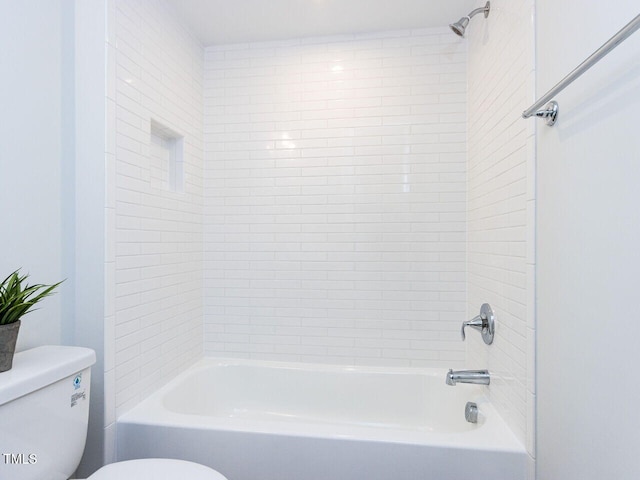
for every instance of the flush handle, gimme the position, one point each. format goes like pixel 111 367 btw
pixel 485 323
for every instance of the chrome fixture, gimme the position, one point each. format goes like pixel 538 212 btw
pixel 485 322
pixel 471 412
pixel 550 111
pixel 460 26
pixel 478 377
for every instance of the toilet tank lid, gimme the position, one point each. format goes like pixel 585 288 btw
pixel 41 366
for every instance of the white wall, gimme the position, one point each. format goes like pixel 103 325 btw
pixel 88 247
pixel 501 196
pixel 587 246
pixel 31 158
pixel 335 199
pixel 154 249
pixel 51 173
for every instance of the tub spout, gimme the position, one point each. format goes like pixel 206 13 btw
pixel 479 377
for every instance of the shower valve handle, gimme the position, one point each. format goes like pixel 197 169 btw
pixel 485 323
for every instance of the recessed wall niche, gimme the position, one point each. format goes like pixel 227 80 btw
pixel 166 155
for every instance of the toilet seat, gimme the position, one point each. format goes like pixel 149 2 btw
pixel 156 469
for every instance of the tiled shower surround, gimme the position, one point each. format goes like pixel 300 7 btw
pixel 332 208
pixel 501 208
pixel 154 248
pixel 335 224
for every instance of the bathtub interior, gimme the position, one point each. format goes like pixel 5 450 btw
pixel 331 395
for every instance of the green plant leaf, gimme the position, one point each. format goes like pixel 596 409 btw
pixel 16 299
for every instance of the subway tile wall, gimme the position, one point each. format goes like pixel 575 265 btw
pixel 501 218
pixel 154 259
pixel 335 199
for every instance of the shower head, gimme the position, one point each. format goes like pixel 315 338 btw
pixel 460 26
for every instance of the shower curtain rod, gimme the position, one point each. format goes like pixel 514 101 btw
pixel 550 111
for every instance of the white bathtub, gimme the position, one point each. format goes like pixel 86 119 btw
pixel 283 421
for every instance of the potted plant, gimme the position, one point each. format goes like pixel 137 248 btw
pixel 16 299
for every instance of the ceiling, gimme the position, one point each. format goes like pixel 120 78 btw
pixel 237 21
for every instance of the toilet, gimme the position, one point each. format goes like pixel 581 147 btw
pixel 156 469
pixel 44 415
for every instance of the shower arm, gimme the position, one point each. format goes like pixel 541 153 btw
pixel 484 9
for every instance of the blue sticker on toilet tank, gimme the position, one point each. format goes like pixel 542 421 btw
pixel 79 394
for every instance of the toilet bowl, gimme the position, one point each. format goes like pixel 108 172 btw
pixel 44 415
pixel 156 469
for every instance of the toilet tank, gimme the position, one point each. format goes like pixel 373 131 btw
pixel 44 412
